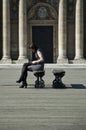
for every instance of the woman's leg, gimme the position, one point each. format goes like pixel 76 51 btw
pixel 23 73
pixel 24 82
pixel 25 78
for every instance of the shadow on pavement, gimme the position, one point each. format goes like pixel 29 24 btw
pixel 75 86
pixel 78 86
pixel 48 86
pixel 70 86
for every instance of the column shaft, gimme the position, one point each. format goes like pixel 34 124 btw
pixel 22 30
pixel 79 38
pixel 62 32
pixel 6 30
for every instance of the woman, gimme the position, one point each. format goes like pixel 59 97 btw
pixel 36 64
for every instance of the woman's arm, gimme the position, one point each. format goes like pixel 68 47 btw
pixel 41 59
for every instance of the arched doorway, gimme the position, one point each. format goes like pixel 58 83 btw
pixel 42 30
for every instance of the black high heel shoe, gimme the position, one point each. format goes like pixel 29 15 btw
pixel 24 85
pixel 18 81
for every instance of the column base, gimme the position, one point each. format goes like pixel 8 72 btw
pixel 21 61
pixel 62 61
pixel 79 61
pixel 6 61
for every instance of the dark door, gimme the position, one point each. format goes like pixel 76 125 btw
pixel 43 37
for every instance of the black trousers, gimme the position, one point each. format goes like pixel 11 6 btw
pixel 23 75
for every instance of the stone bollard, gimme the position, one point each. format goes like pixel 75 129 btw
pixel 39 83
pixel 57 82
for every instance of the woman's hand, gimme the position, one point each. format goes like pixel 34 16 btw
pixel 34 62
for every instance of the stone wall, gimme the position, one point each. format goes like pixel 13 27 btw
pixel 14 26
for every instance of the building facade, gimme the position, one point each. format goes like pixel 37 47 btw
pixel 57 26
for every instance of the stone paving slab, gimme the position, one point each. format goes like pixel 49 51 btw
pixel 43 109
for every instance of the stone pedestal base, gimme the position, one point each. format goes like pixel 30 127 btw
pixel 5 61
pixel 62 61
pixel 21 61
pixel 79 61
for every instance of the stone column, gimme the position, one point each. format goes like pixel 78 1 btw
pixel 6 32
pixel 62 32
pixel 22 31
pixel 79 32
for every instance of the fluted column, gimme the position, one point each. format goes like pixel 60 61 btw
pixel 22 30
pixel 62 32
pixel 79 31
pixel 6 32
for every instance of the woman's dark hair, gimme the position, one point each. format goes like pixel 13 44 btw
pixel 33 46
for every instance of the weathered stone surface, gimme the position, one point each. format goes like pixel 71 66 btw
pixel 46 109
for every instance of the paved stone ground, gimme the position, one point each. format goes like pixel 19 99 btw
pixel 43 109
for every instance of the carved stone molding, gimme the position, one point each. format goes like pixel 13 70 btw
pixel 42 11
pixel 53 3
